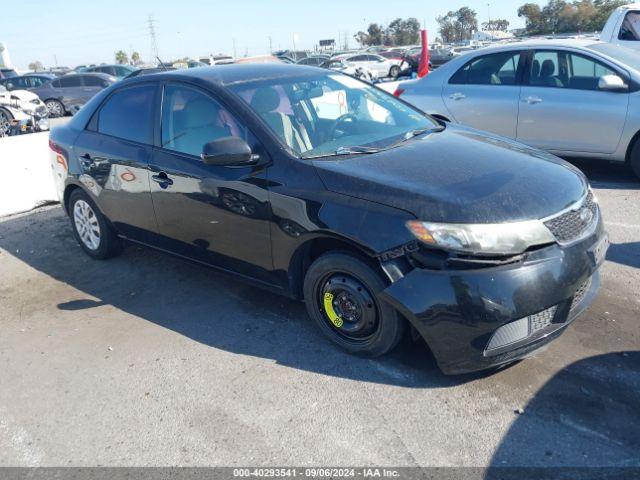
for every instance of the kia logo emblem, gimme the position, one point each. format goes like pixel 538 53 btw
pixel 586 215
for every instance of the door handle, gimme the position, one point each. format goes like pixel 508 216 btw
pixel 532 100
pixel 457 96
pixel 162 179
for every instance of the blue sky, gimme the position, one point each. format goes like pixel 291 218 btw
pixel 84 31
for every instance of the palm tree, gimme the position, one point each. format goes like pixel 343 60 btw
pixel 121 57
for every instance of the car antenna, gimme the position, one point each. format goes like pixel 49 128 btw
pixel 162 65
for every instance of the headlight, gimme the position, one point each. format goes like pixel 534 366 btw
pixel 492 239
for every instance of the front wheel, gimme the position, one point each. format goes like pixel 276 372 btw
pixel 394 72
pixel 91 228
pixel 56 108
pixel 340 293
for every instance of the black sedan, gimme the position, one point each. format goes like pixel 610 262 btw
pixel 321 187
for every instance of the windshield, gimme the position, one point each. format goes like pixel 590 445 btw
pixel 331 113
pixel 624 55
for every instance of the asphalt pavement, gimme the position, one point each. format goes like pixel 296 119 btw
pixel 146 360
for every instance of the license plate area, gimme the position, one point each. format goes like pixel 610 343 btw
pixel 598 252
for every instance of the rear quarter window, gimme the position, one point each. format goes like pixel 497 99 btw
pixel 129 114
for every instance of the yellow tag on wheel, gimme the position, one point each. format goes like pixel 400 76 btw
pixel 331 313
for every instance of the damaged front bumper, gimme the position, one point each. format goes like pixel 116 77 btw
pixel 477 318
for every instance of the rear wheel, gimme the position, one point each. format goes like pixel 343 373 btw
pixel 91 229
pixel 340 292
pixel 394 71
pixel 56 108
pixel 634 158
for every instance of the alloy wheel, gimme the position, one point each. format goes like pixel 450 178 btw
pixel 55 108
pixel 87 224
pixel 5 124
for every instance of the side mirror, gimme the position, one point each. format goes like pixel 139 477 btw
pixel 228 151
pixel 612 83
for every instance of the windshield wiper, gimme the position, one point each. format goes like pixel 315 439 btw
pixel 415 133
pixel 346 151
pixel 355 150
pixel 422 131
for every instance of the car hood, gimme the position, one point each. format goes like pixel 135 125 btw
pixel 459 176
pixel 21 95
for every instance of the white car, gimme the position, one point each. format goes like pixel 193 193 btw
pixel 623 27
pixel 379 66
pixel 350 69
pixel 572 98
pixel 22 110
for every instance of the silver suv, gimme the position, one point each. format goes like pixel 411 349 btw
pixel 68 93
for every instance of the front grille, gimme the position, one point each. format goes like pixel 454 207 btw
pixel 541 320
pixel 521 329
pixel 572 225
pixel 580 294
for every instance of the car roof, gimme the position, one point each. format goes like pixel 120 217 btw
pixel 38 74
pixel 112 65
pixel 105 76
pixel 237 73
pixel 541 43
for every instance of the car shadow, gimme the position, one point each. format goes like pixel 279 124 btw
pixel 206 306
pixel 607 175
pixel 625 254
pixel 585 417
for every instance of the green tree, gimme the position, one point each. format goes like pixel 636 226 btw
pixel 560 16
pixel 373 36
pixel 398 32
pixel 121 57
pixel 534 22
pixel 458 26
pixel 496 25
pixel 135 58
pixel 36 66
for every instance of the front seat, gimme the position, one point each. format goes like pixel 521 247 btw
pixel 198 126
pixel 265 101
pixel 546 74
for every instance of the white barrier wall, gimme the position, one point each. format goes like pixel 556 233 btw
pixel 26 180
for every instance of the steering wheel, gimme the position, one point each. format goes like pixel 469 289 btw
pixel 347 118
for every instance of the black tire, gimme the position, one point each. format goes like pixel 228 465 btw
pixel 55 107
pixel 634 158
pixel 394 71
pixel 108 245
pixel 343 270
pixel 5 121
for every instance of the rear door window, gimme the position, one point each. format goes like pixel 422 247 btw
pixel 128 114
pixel 494 69
pixel 91 81
pixel 70 81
